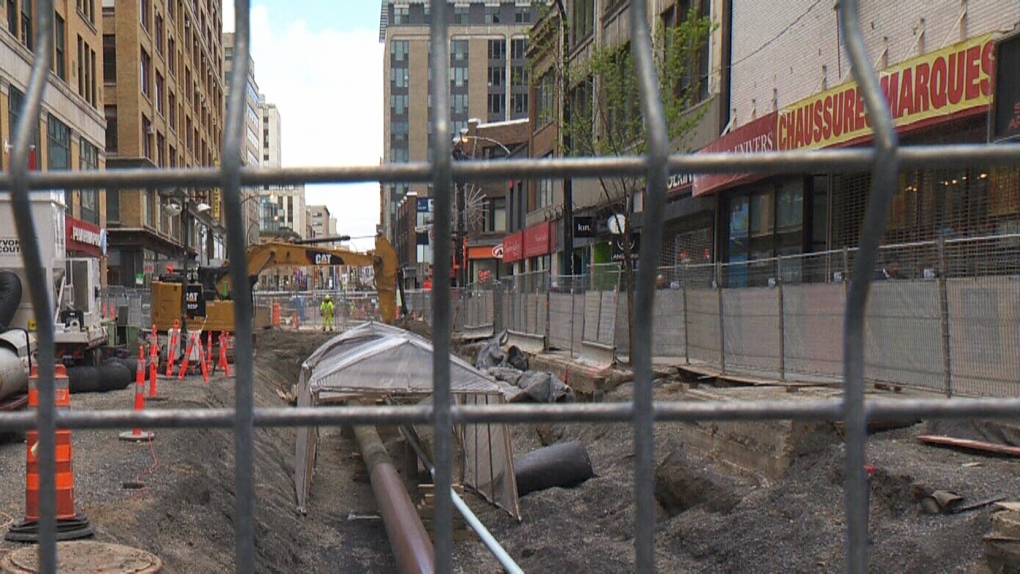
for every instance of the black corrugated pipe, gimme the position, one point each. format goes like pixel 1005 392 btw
pixel 10 297
pixel 412 547
pixel 113 374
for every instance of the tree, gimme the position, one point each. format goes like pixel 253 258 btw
pixel 605 118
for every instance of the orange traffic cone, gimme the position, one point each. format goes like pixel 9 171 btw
pixel 171 350
pixel 203 360
pixel 223 364
pixel 138 435
pixel 70 525
pixel 208 352
pixel 187 355
pixel 153 372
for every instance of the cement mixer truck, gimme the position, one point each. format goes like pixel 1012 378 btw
pixel 74 286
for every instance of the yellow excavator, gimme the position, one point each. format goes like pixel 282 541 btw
pixel 208 304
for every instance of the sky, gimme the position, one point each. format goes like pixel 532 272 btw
pixel 321 63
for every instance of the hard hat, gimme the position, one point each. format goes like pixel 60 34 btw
pixel 328 297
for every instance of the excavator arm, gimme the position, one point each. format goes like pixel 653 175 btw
pixel 383 260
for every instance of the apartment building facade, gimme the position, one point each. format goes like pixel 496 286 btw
pixel 69 132
pixel 164 107
pixel 489 81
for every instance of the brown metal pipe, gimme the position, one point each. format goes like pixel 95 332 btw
pixel 412 547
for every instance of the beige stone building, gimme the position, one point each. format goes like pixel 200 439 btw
pixel 164 106
pixel 488 78
pixel 71 125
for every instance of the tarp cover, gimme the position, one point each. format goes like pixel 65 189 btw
pixel 381 360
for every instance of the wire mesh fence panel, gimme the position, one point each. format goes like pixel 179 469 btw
pixel 592 309
pixel 669 324
pixel 561 308
pixel 812 328
pixel 621 323
pixel 610 316
pixel 703 327
pixel 751 329
pixel 903 340
pixel 984 342
pixel 577 321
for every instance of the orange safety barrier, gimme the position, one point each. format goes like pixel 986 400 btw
pixel 138 435
pixel 208 354
pixel 70 524
pixel 153 366
pixel 277 311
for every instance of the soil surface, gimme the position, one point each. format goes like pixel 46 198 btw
pixel 708 519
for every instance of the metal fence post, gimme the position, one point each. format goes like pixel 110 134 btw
pixel 944 316
pixel 548 296
pixel 683 307
pixel 782 324
pixel 497 308
pixel 722 318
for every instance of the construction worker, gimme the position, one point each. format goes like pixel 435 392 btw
pixel 326 310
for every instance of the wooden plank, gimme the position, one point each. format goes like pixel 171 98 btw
pixel 970 444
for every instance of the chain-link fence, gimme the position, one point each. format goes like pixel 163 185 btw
pixel 966 302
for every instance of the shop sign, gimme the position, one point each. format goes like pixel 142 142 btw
pixel 513 247
pixel 484 252
pixel 83 237
pixel 619 250
pixel 536 240
pixel 584 226
pixel 938 84
pixel 679 181
pixel 424 205
pixel 497 251
pixel 1005 121
pixel 754 137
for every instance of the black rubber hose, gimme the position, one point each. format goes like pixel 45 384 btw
pixel 10 297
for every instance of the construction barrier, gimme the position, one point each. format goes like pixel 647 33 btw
pixel 174 335
pixel 70 524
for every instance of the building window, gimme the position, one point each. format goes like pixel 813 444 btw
pixel 545 92
pixel 459 50
pixel 143 13
pixel 171 56
pixel 172 111
pixel 88 159
pixel 694 80
pixel 143 79
pixel 87 8
pixel 81 67
pixel 459 77
pixel 160 146
pixel 159 93
pixel 497 107
pixel 519 105
pixel 497 50
pixel 109 59
pixel 12 17
pixel 26 23
pixel 582 20
pixel 460 14
pixel 496 74
pixel 497 215
pixel 59 47
pixel 398 104
pixel 518 48
pixel 401 15
pixel 147 137
pixel 522 14
pixel 158 39
pixel 111 129
pixel 459 103
pixel 492 14
pixel 399 50
pixel 58 142
pixel 170 10
pixel 544 194
pixel 399 77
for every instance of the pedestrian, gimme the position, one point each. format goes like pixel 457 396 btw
pixel 326 310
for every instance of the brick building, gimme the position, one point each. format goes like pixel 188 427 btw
pixel 164 107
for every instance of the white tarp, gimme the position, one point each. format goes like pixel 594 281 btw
pixel 378 360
